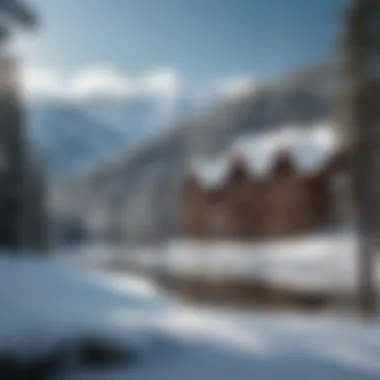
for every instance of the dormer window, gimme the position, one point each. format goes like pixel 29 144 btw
pixel 190 184
pixel 239 171
pixel 284 165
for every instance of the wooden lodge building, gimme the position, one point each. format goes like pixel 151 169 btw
pixel 245 204
pixel 303 189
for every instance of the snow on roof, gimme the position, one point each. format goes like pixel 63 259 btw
pixel 310 146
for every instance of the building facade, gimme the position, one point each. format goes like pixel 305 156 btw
pixel 245 205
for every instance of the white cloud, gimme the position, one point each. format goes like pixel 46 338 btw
pixel 165 81
pixel 236 86
pixel 41 82
pixel 100 81
pixel 103 80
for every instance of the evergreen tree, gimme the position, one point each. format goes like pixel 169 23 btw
pixel 362 102
pixel 22 214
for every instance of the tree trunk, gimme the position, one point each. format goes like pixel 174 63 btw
pixel 363 122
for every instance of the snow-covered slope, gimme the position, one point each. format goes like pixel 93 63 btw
pixel 77 135
pixel 57 304
pixel 323 262
pixel 47 306
pixel 72 140
pixel 262 347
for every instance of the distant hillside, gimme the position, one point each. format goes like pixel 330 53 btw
pixel 137 192
pixel 75 136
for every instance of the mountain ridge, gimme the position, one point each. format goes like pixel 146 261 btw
pixel 150 177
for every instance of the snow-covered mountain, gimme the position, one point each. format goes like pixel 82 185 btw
pixel 76 135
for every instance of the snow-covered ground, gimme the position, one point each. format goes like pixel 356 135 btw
pixel 49 302
pixel 259 347
pixel 324 262
pixel 46 304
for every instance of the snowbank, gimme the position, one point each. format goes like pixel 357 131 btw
pixel 324 262
pixel 44 304
pixel 224 346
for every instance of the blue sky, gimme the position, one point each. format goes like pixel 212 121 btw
pixel 204 40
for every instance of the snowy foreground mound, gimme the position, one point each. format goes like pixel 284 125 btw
pixel 321 262
pixel 46 306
